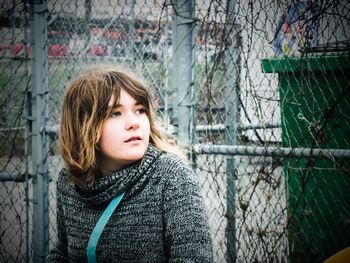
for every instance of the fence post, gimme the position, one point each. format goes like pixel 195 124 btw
pixel 39 137
pixel 131 35
pixel 184 70
pixel 231 61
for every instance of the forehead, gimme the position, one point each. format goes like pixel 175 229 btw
pixel 123 98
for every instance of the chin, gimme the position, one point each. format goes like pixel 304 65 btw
pixel 137 155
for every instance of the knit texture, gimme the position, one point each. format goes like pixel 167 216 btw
pixel 161 217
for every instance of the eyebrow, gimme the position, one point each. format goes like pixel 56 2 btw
pixel 120 105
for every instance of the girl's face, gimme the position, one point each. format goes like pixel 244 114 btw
pixel 125 134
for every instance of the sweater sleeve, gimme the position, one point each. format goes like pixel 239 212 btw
pixel 187 237
pixel 59 251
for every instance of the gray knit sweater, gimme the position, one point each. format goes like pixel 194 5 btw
pixel 161 217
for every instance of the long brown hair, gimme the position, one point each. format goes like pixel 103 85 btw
pixel 85 108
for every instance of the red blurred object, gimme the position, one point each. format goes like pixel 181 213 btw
pixel 58 50
pixel 15 50
pixel 98 50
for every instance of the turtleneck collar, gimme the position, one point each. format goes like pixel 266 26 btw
pixel 106 188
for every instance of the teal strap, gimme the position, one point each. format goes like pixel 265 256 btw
pixel 101 223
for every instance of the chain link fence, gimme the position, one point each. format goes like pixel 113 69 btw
pixel 264 106
pixel 15 87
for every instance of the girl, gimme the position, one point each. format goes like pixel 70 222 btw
pixel 124 194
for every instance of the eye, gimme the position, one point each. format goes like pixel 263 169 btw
pixel 141 111
pixel 115 114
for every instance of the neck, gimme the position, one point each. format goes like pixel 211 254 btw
pixel 109 167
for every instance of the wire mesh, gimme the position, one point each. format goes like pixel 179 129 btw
pixel 286 209
pixel 271 79
pixel 15 188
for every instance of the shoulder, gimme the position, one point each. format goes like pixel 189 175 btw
pixel 176 172
pixel 172 161
pixel 174 165
pixel 63 177
pixel 63 183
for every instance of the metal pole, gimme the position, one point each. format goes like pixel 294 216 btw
pixel 39 137
pixel 184 69
pixel 175 73
pixel 166 65
pixel 27 111
pixel 283 152
pixel 131 39
pixel 88 8
pixel 222 127
pixel 231 108
pixel 53 129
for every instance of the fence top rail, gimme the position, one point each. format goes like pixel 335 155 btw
pixel 271 151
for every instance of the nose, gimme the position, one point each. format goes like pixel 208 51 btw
pixel 132 122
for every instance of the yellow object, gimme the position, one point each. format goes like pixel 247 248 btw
pixel 343 256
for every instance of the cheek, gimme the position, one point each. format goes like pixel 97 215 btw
pixel 147 126
pixel 108 134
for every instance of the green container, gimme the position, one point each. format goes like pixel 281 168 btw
pixel 315 113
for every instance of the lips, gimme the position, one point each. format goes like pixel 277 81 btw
pixel 133 138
